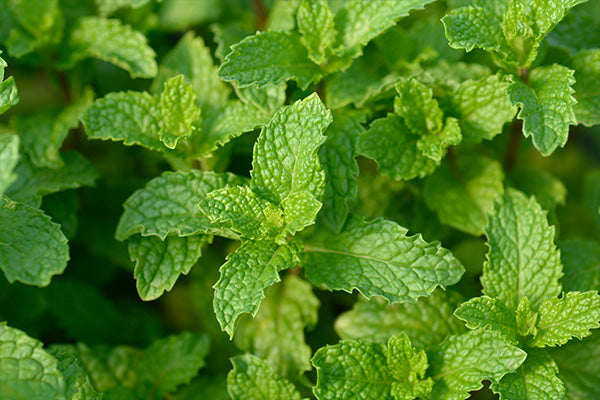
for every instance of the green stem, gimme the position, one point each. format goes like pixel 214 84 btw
pixel 260 13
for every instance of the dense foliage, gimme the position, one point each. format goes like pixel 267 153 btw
pixel 330 199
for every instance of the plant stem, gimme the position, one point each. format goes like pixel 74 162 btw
pixel 261 14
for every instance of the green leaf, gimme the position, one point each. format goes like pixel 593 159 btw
pixel 269 57
pixel 77 380
pixel 536 181
pixel 131 117
pixel 337 156
pixel 300 210
pixel 9 156
pixel 360 21
pixel 546 106
pixel 527 265
pixel 408 366
pixel 192 58
pixel 109 40
pixel 462 362
pixel 107 7
pixel 561 319
pixel 427 322
pixel 32 183
pixel 350 369
pixel 28 372
pixel 489 314
pixel 276 334
pixel 587 87
pixel 8 90
pixel 179 111
pixel 168 205
pixel 32 247
pixel 171 362
pixel 581 258
pixel 377 258
pixel 159 263
pixel 268 98
pixel 395 149
pixel 579 369
pixel 536 379
pixel 462 192
pixel 285 155
pixel 253 379
pixel 316 25
pixel 243 211
pixel 526 318
pixel 248 272
pixel 482 108
pixel 423 116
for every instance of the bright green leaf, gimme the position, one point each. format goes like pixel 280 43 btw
pixel 8 90
pixel 300 210
pixel 179 111
pixel 9 156
pixel 107 7
pixel 408 366
pixel 77 380
pixel 315 23
pixel 489 314
pixel 587 87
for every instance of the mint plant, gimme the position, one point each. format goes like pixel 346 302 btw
pixel 299 199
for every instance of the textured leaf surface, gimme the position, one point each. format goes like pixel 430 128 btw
pixel 536 379
pixel 179 111
pixel 482 108
pixel 300 210
pixel 581 258
pixel 356 370
pixel 28 372
pixel 489 314
pixel 32 247
pixel 169 204
pixel 254 379
pixel 78 385
pixel 546 106
pixel 242 210
pixel 337 156
pixel 587 87
pixel 285 155
pixel 9 156
pixel 111 41
pixel 316 24
pixel 8 90
pixel 427 322
pixel 159 263
pixel 248 272
pixel 463 194
pixel 171 362
pixel 523 260
pixel 561 319
pixel 408 366
pixel 269 57
pixel 462 362
pixel 276 334
pixel 394 147
pixel 377 258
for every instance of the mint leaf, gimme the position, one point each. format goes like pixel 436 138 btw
pixel 337 156
pixel 460 363
pixel 489 314
pixel 394 147
pixel 546 106
pixel 268 98
pixel 107 7
pixel 423 116
pixel 536 181
pixel 377 258
pixel 169 205
pixel 111 41
pixel 276 333
pixel 581 258
pixel 300 210
pixel 32 183
pixel 28 372
pixel 285 155
pixel 269 57
pixel 536 379
pixel 9 156
pixel 348 368
pixel 248 272
pixel 482 108
pixel 158 263
pixel 243 211
pixel 317 27
pixel 427 322
pixel 587 87
pixel 511 265
pixel 561 319
pixel 179 111
pixel 462 193
pixel 8 90
pixel 253 379
pixel 33 248
pixel 171 362
pixel 408 366
pixel 78 385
